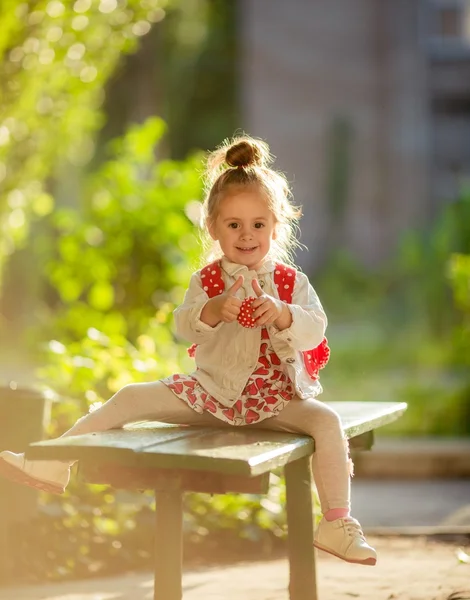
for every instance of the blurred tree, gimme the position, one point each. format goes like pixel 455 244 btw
pixel 199 73
pixel 184 71
pixel 128 248
pixel 55 58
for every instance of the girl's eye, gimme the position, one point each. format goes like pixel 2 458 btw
pixel 259 225
pixel 233 225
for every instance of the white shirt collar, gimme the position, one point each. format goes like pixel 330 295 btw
pixel 234 269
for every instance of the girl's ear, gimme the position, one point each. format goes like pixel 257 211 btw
pixel 274 236
pixel 211 230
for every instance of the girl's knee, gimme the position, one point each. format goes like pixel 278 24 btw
pixel 332 417
pixel 326 421
pixel 127 393
pixel 327 416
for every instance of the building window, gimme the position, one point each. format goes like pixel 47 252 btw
pixel 449 22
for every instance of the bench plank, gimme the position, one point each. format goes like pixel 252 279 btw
pixel 141 478
pixel 238 451
pixel 360 417
pixel 241 452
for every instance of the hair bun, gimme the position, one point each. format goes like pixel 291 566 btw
pixel 247 152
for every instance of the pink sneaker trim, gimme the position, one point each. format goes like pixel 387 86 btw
pixel 367 561
pixel 18 476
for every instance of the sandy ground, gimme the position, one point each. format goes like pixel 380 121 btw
pixel 408 569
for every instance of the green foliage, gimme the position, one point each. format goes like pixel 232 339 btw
pixel 459 274
pixel 422 265
pixel 116 268
pixel 402 332
pixel 247 515
pixel 130 247
pixel 55 58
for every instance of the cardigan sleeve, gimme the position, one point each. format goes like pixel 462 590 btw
pixel 308 318
pixel 187 316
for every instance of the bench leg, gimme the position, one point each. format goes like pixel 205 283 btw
pixel 302 585
pixel 168 545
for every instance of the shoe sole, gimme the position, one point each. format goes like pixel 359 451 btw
pixel 367 561
pixel 18 476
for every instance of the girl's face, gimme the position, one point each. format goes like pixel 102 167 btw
pixel 244 227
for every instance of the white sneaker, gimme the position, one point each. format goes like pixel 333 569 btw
pixel 344 538
pixel 48 476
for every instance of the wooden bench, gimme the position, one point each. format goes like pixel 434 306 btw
pixel 174 459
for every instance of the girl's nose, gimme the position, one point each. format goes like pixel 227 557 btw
pixel 246 234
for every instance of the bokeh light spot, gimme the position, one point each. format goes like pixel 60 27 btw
pixel 80 23
pixel 36 17
pixel 54 34
pixel 55 9
pixel 4 135
pixel 17 54
pixel 141 28
pixel 46 56
pixel 107 6
pixel 88 74
pixel 157 15
pixel 76 52
pixel 82 6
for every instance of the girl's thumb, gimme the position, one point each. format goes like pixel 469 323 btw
pixel 257 288
pixel 236 286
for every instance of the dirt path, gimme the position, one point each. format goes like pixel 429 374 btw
pixel 409 569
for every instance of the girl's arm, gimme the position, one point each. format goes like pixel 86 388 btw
pixel 188 324
pixel 309 321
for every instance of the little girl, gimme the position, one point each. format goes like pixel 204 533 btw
pixel 253 322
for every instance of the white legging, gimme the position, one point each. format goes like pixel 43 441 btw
pixel 154 401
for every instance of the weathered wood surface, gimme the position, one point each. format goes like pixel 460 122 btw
pixel 145 478
pixel 237 451
pixel 168 583
pixel 302 575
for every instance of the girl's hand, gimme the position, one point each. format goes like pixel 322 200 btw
pixel 225 307
pixel 266 308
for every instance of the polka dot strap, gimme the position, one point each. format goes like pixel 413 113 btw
pixel 213 284
pixel 317 358
pixel 211 279
pixel 284 280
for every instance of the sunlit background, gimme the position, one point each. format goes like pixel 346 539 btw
pixel 106 108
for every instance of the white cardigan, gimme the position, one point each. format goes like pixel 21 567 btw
pixel 228 353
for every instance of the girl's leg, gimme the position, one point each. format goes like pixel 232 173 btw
pixel 337 532
pixel 330 461
pixel 140 402
pixel 135 402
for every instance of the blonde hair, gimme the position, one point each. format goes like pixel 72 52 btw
pixel 244 161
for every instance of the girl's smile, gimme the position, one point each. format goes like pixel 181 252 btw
pixel 244 227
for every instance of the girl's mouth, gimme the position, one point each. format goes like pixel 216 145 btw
pixel 247 250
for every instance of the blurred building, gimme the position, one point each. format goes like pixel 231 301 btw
pixel 366 104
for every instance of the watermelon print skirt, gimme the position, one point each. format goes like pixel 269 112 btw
pixel 265 394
